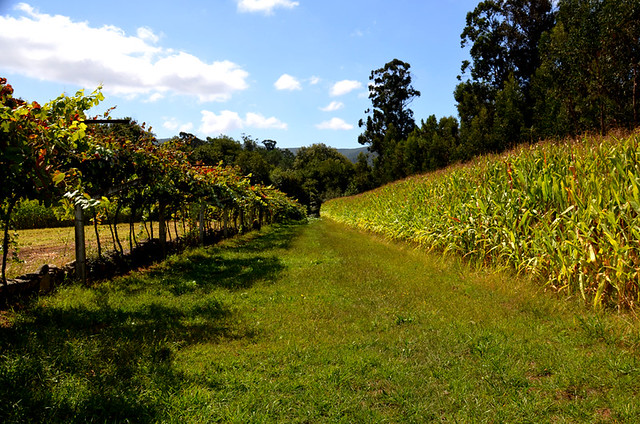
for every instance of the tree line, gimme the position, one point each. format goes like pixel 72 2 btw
pixel 537 71
pixel 312 175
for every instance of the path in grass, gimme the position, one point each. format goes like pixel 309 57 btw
pixel 315 323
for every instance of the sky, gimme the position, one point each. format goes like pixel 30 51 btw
pixel 293 71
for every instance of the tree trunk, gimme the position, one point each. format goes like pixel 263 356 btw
pixel 5 250
pixel 95 229
pixel 151 222
pixel 131 230
pixel 225 223
pixel 162 234
pixel 115 229
pixel 201 225
pixel 135 238
pixel 147 229
pixel 81 253
pixel 113 236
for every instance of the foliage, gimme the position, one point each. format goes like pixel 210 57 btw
pixel 35 214
pixel 589 74
pixel 390 120
pixel 567 214
pixel 495 105
pixel 49 150
pixel 431 146
pixel 318 173
pixel 257 162
pixel 504 37
pixel 544 69
pixel 38 145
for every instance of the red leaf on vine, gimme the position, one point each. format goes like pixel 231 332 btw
pixel 41 155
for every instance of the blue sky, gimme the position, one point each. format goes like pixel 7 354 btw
pixel 292 71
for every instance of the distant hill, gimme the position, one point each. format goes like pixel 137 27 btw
pixel 352 154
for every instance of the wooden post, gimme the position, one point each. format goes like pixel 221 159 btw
pixel 81 258
pixel 201 225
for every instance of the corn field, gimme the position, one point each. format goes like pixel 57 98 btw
pixel 567 214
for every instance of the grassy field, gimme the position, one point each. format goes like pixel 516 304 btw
pixel 56 246
pixel 316 323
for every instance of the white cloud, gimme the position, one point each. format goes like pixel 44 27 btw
pixel 345 86
pixel 265 6
pixel 334 124
pixel 228 121
pixel 147 34
pixel 332 107
pixel 126 65
pixel 256 120
pixel 287 82
pixel 314 80
pixel 172 124
pixel 216 124
pixel 155 97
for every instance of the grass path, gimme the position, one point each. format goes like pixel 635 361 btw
pixel 315 323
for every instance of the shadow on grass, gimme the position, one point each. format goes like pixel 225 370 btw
pixel 112 360
pixel 202 272
pixel 237 265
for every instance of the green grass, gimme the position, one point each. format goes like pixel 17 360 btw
pixel 316 323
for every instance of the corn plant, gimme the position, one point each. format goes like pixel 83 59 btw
pixel 567 213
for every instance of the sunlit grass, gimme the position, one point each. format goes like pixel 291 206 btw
pixel 315 323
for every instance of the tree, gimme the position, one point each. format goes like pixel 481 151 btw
pixel 319 173
pixel 590 71
pixel 504 36
pixel 252 163
pixel 215 150
pixel 430 146
pixel 362 178
pixel 190 139
pixel 391 93
pixel 269 144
